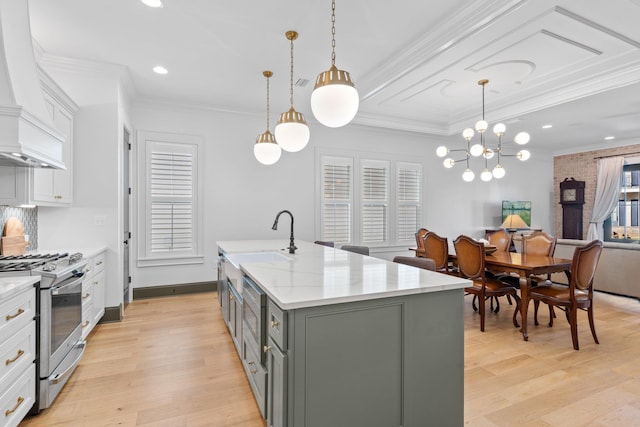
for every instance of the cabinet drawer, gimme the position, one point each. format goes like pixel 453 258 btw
pixel 253 295
pixel 98 263
pixel 257 376
pixel 87 293
pixel 19 398
pixel 18 352
pixel 277 325
pixel 17 312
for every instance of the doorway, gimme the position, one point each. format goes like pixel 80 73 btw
pixel 126 197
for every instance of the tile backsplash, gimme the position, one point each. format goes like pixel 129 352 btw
pixel 28 217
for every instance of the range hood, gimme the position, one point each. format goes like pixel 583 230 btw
pixel 28 136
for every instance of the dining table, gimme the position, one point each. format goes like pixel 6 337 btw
pixel 525 266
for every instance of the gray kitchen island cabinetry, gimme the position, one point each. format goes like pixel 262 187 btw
pixel 353 340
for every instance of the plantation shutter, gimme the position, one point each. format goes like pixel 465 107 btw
pixel 375 191
pixel 337 184
pixel 408 188
pixel 171 193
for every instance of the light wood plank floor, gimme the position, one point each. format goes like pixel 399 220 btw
pixel 172 363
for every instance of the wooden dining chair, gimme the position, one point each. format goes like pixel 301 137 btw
pixel 471 265
pixel 536 243
pixel 414 261
pixel 420 241
pixel 501 239
pixel 437 249
pixel 579 294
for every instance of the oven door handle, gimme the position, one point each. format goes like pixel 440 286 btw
pixel 77 278
pixel 61 376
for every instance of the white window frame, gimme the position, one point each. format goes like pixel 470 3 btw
pixel 374 201
pixel 417 203
pixel 189 146
pixel 394 160
pixel 336 161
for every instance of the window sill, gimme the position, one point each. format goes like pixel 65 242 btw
pixel 175 260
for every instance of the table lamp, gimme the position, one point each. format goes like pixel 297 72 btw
pixel 513 222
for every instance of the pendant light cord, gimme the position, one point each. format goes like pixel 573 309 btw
pixel 267 103
pixel 291 80
pixel 333 32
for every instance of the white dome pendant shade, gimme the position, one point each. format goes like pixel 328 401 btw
pixel 266 150
pixel 292 131
pixel 334 100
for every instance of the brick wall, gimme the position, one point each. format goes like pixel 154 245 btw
pixel 582 167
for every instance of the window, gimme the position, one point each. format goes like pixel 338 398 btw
pixel 408 192
pixel 367 200
pixel 375 184
pixel 337 177
pixel 170 199
pixel 622 225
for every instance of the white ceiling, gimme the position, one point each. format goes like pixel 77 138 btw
pixel 571 63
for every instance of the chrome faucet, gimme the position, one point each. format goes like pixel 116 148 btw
pixel 292 247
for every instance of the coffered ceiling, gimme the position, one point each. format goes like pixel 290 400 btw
pixel 574 64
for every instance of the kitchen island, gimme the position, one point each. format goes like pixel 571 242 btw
pixel 334 338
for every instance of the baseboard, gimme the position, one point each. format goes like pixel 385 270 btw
pixel 112 314
pixel 170 290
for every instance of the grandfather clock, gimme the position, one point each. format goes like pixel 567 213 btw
pixel 572 199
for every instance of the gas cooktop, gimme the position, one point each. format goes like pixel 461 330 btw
pixel 41 262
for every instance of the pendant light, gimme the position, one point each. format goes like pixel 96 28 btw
pixel 334 100
pixel 266 150
pixel 292 132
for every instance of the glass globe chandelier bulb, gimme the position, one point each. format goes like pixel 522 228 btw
pixel 522 138
pixel 291 136
pixel 476 150
pixel 488 153
pixel 481 126
pixel 292 132
pixel 442 151
pixel 267 153
pixel 468 175
pixel 449 163
pixel 486 175
pixel 498 172
pixel 467 133
pixel 334 100
pixel 499 129
pixel 523 155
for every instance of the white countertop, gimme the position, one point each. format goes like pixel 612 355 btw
pixel 318 275
pixel 10 286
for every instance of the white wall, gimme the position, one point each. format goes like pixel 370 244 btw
pixel 242 196
pixel 96 177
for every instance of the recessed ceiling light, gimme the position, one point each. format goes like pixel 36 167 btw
pixel 547 126
pixel 159 69
pixel 609 138
pixel 152 3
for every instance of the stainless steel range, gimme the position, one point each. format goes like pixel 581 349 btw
pixel 59 308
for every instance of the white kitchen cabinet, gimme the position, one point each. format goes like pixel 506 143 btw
pixel 93 293
pixel 44 186
pixel 17 350
pixel 54 187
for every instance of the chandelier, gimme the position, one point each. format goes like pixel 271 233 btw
pixel 292 131
pixel 334 100
pixel 266 149
pixel 481 148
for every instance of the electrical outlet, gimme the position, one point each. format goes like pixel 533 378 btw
pixel 99 220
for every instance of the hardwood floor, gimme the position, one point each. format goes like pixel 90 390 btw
pixel 172 363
